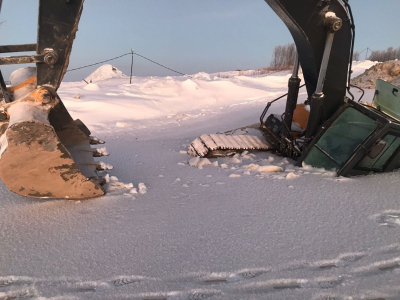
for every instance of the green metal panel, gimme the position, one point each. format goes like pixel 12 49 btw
pixel 387 98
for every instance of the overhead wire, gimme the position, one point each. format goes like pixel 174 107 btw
pixel 130 53
pixel 100 62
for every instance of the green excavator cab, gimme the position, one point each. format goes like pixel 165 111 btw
pixel 360 138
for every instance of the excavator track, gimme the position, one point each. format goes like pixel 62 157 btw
pixel 217 145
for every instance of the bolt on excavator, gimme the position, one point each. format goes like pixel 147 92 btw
pixel 44 153
pixel 331 130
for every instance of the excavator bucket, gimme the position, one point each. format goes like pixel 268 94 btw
pixel 44 153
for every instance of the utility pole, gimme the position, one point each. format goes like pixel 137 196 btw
pixel 366 53
pixel 130 80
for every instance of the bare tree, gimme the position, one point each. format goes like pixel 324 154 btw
pixel 283 57
pixel 385 55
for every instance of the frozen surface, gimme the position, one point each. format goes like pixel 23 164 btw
pixel 216 229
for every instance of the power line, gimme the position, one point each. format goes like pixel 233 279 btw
pixel 101 62
pixel 130 53
pixel 159 64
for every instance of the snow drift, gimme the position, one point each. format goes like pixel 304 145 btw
pixel 103 73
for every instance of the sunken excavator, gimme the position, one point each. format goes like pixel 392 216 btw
pixel 331 130
pixel 44 152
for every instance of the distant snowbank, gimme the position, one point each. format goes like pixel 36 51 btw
pixel 359 67
pixel 110 99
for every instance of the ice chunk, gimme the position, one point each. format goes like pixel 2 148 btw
pixel 292 175
pixel 270 169
pixel 204 162
pixel 142 188
pixel 194 162
pixel 129 185
pixel 253 167
pixel 235 160
pixel 234 176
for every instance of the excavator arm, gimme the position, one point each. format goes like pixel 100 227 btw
pixel 341 134
pixel 337 133
pixel 309 27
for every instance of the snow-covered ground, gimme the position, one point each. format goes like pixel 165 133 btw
pixel 225 230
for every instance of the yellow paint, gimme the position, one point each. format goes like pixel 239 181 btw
pixel 38 94
pixel 21 85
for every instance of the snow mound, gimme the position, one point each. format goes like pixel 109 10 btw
pixel 190 85
pixel 91 87
pixel 389 71
pixel 202 75
pixel 105 72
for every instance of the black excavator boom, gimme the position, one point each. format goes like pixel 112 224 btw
pixel 309 27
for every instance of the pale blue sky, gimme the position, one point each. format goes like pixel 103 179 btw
pixel 187 35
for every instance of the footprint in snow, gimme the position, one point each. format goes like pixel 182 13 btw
pixel 124 280
pixel 379 267
pixel 14 280
pixel 388 218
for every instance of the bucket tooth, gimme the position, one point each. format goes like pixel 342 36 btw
pixel 99 152
pixel 100 166
pixel 96 141
pixel 103 167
